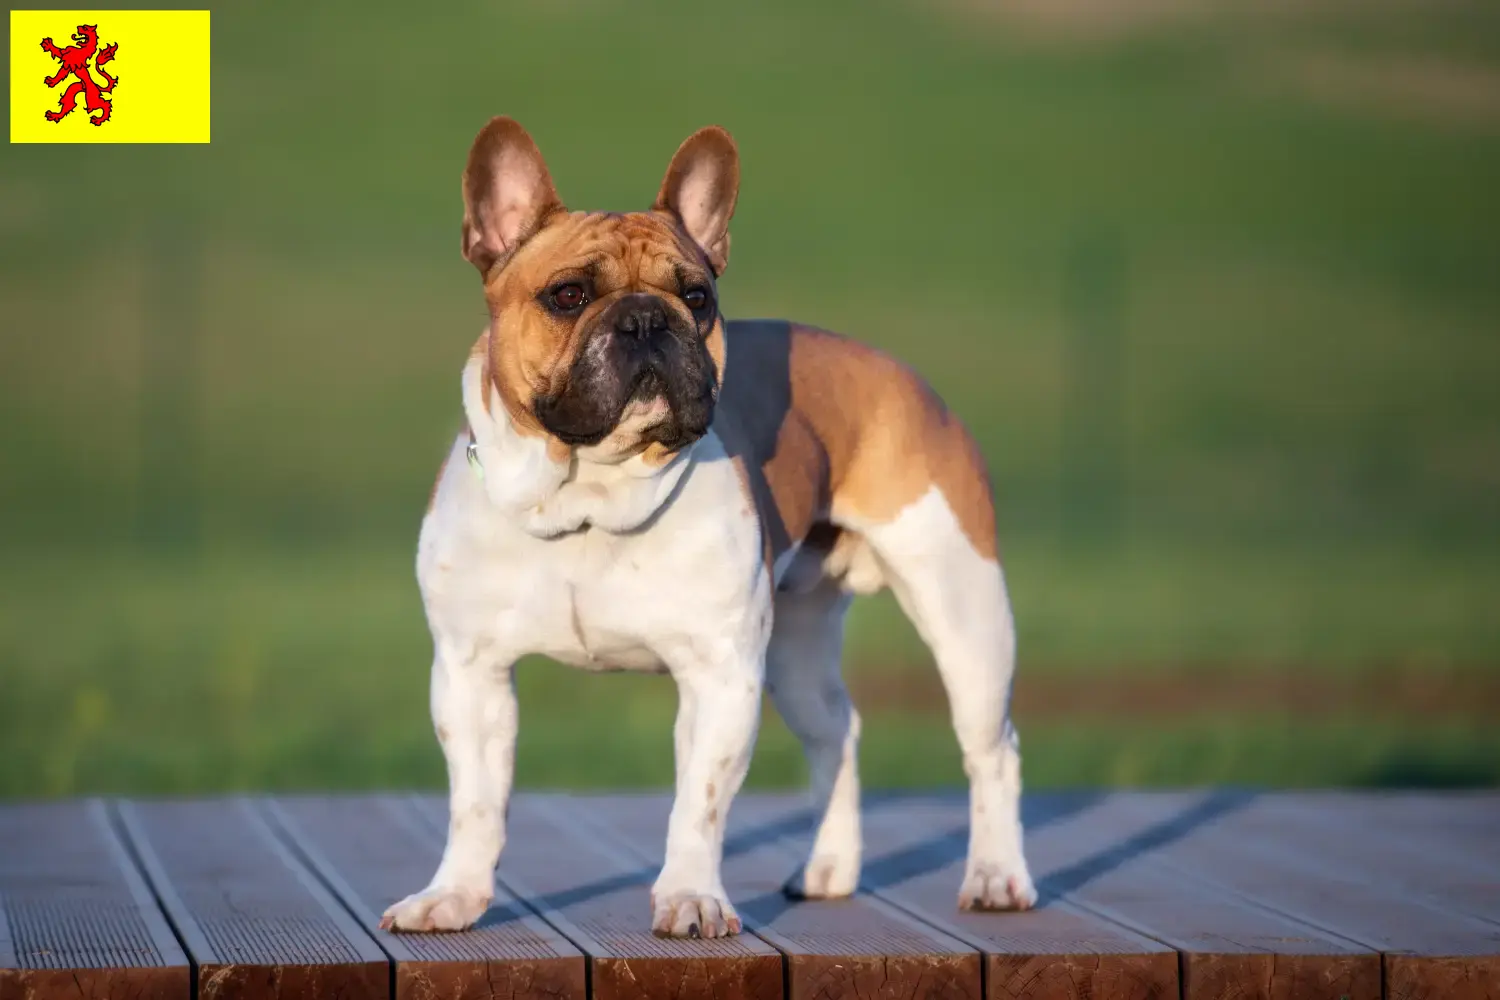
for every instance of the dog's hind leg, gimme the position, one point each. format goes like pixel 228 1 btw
pixel 956 598
pixel 804 680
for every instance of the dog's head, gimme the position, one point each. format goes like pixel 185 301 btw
pixel 605 330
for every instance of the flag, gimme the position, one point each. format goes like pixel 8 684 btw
pixel 109 75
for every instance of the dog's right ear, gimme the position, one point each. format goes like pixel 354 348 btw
pixel 508 193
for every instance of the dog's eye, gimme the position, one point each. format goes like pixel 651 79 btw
pixel 695 298
pixel 569 297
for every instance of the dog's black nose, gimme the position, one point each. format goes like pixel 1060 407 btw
pixel 640 316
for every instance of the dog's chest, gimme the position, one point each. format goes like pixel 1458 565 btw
pixel 594 599
pixel 601 606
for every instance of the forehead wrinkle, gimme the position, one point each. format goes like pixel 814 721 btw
pixel 585 232
pixel 653 250
pixel 665 231
pixel 613 270
pixel 622 250
pixel 659 270
pixel 585 265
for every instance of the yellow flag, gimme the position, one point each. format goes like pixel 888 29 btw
pixel 109 75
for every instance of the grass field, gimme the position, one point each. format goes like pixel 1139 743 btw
pixel 1219 294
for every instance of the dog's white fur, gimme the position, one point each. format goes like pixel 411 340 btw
pixel 606 564
pixel 503 573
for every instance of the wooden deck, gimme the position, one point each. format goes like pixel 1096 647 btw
pixel 1193 894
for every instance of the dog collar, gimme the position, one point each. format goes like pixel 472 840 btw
pixel 473 452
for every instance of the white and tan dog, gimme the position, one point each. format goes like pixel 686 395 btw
pixel 643 486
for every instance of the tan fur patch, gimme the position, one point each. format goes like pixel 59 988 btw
pixel 823 426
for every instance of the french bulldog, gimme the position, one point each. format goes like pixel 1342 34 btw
pixel 645 486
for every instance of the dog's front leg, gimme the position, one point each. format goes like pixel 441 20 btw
pixel 474 713
pixel 719 710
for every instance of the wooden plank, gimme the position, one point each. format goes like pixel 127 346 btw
pixel 1429 845
pixel 1428 951
pixel 1461 823
pixel 373 851
pixel 914 856
pixel 256 923
pixel 862 946
pixel 597 895
pixel 1106 861
pixel 76 918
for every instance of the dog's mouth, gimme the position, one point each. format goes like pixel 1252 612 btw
pixel 648 401
pixel 569 433
pixel 650 405
pixel 650 387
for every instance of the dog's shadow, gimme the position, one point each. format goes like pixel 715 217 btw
pixel 949 847
pixel 734 844
pixel 940 850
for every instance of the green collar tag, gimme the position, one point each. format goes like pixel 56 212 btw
pixel 473 452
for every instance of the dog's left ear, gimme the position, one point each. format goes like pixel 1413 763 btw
pixel 700 189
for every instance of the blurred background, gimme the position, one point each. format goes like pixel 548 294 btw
pixel 1216 285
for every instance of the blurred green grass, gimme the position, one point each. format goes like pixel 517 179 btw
pixel 206 575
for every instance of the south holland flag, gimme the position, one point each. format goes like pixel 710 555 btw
pixel 109 75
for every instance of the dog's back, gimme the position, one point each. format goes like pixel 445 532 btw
pixel 833 433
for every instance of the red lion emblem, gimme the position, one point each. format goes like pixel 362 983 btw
pixel 75 62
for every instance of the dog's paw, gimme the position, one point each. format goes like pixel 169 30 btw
pixel 436 909
pixel 824 877
pixel 997 887
pixel 693 915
